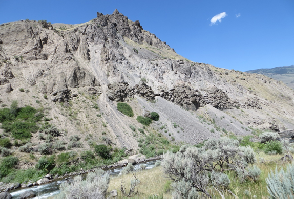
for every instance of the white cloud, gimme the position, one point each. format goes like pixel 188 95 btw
pixel 218 17
pixel 238 15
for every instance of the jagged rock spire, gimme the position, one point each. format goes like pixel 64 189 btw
pixel 115 12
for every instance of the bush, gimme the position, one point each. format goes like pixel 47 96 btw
pixel 45 149
pixel 87 155
pixel 129 168
pixel 22 129
pixel 154 116
pixel 253 173
pixel 74 138
pixel 74 144
pixel 7 164
pixel 197 169
pixel 268 136
pixel 280 183
pixel 95 186
pixel 5 152
pixel 26 148
pixel 125 109
pixel 50 130
pixel 46 164
pixel 65 157
pixel 5 143
pixel 103 151
pixel 21 122
pixel 59 145
pixel 273 147
pixel 141 131
pixel 144 120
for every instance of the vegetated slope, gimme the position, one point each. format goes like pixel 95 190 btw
pixel 284 74
pixel 78 74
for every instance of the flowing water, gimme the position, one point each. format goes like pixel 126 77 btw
pixel 52 188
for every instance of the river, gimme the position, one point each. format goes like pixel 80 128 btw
pixel 52 188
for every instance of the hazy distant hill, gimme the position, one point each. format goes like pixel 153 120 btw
pixel 285 74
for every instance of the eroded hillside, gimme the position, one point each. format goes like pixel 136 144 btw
pixel 77 74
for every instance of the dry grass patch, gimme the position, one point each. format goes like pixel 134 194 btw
pixel 152 183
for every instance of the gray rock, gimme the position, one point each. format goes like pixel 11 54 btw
pixel 27 194
pixel 49 176
pixel 43 181
pixel 9 88
pixel 132 161
pixel 113 193
pixel 81 77
pixel 5 195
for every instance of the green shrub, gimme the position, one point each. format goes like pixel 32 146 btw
pixel 21 122
pixel 65 157
pixel 7 164
pixel 21 90
pixel 46 163
pixel 154 116
pixel 144 120
pixel 5 143
pixel 141 131
pixel 87 155
pixel 103 151
pixel 273 146
pixel 125 109
pixel 133 128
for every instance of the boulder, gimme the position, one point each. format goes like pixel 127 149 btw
pixel 49 176
pixel 43 181
pixel 9 88
pixel 5 195
pixel 132 161
pixel 27 194
pixel 113 194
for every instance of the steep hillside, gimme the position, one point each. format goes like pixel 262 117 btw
pixel 284 74
pixel 78 73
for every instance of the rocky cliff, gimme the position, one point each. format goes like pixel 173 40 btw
pixel 78 73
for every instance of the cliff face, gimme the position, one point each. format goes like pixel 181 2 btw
pixel 69 69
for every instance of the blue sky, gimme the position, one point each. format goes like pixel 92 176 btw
pixel 246 35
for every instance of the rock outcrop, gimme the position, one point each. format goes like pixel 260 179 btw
pixel 80 77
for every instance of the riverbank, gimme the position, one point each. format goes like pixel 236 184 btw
pixel 48 178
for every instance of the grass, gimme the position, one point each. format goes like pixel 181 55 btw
pixel 266 163
pixel 152 183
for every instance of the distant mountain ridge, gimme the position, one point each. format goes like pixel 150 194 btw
pixel 284 74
